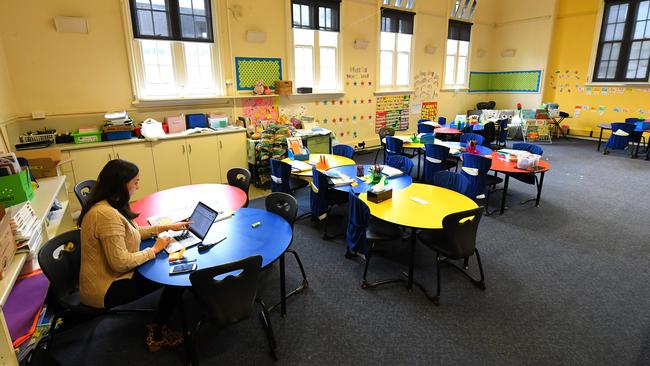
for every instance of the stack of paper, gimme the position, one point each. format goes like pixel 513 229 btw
pixel 339 179
pixel 299 166
pixel 391 172
pixel 24 224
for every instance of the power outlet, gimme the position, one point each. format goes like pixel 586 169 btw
pixel 38 115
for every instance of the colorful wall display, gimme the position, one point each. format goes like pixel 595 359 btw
pixel 260 108
pixel 505 81
pixel 251 69
pixel 426 85
pixel 429 111
pixel 392 111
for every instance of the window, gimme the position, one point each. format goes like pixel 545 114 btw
pixel 395 48
pixel 457 56
pixel 624 45
pixel 316 44
pixel 174 50
pixel 464 9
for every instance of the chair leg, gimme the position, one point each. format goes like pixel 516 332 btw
pixel 436 299
pixel 364 283
pixel 305 283
pixel 377 155
pixel 465 263
pixel 268 329
pixel 534 198
pixel 481 283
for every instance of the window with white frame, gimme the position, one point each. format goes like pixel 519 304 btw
pixel 395 44
pixel 316 44
pixel 175 55
pixel 457 54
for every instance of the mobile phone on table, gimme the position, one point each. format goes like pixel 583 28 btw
pixel 182 268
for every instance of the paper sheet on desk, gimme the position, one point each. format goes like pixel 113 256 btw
pixel 300 166
pixel 183 212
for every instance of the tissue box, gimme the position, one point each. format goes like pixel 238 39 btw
pixel 218 121
pixel 378 197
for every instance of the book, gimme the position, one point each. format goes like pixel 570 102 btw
pixel 339 179
pixel 299 166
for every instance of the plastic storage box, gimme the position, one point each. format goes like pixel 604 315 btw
pixel 15 188
pixel 118 135
pixel 86 137
pixel 196 120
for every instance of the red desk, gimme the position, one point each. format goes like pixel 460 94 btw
pixel 448 131
pixel 509 168
pixel 229 197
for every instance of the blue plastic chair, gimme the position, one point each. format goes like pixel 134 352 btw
pixel 503 132
pixel 343 150
pixel 401 162
pixel 616 142
pixel 442 120
pixel 435 160
pixel 280 176
pixel 467 137
pixel 322 198
pixel 394 146
pixel 423 128
pixel 428 138
pixel 531 148
pixel 477 181
pixel 636 137
pixel 450 180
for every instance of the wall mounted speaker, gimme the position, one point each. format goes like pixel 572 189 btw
pixel 361 44
pixel 70 24
pixel 255 36
pixel 430 49
pixel 509 52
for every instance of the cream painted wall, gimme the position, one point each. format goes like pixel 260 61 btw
pixel 7 110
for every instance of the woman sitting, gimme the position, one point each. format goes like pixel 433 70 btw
pixel 110 252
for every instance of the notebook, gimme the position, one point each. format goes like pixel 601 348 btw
pixel 299 166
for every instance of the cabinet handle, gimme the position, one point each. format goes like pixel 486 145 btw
pixel 190 146
pixel 118 155
pixel 183 148
pixel 110 157
pixel 221 144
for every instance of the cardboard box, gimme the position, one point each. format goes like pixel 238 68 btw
pixel 7 246
pixel 43 162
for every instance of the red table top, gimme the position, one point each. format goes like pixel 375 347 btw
pixel 229 197
pixel 448 131
pixel 503 166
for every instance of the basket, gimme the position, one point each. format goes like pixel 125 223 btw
pixel 38 138
pixel 86 137
pixel 118 135
pixel 15 188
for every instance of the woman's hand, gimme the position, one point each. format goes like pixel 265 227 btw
pixel 160 244
pixel 183 225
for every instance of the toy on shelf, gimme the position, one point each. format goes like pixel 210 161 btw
pixel 296 150
pixel 259 87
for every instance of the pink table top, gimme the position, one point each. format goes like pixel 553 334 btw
pixel 448 131
pixel 229 197
pixel 503 166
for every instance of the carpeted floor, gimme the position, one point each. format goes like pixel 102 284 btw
pixel 567 283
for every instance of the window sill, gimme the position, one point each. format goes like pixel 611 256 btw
pixel 303 96
pixel 463 89
pixel 618 83
pixel 394 92
pixel 143 103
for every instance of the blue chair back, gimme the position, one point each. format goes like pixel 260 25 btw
pixel 428 138
pixel 318 195
pixel 442 120
pixel 636 135
pixel 477 178
pixel 394 146
pixel 467 137
pixel 631 120
pixel 531 148
pixel 434 160
pixel 343 150
pixel 450 180
pixel 616 142
pixel 503 131
pixel 358 222
pixel 422 128
pixel 280 175
pixel 402 163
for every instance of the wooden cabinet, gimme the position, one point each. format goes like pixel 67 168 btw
pixel 203 159
pixel 87 163
pixel 232 153
pixel 140 155
pixel 170 163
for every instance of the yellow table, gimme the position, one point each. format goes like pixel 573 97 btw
pixel 403 210
pixel 334 161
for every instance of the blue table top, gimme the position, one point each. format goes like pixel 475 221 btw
pixel 269 240
pixel 395 183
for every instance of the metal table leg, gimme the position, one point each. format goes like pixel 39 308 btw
pixel 409 284
pixel 505 193
pixel 600 139
pixel 539 189
pixel 283 290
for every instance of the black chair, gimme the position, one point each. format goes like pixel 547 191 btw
pixel 486 105
pixel 229 300
pixel 489 134
pixel 456 240
pixel 60 260
pixel 82 190
pixel 240 178
pixel 286 206
pixel 383 132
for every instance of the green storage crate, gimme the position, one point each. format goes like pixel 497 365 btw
pixel 15 188
pixel 87 137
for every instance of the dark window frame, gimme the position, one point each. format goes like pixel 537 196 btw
pixel 396 17
pixel 314 9
pixel 174 23
pixel 459 30
pixel 626 44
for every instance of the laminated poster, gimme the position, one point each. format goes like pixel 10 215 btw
pixel 260 108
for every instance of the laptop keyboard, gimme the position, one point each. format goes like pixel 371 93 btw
pixel 182 236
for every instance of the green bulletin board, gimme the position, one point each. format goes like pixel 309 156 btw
pixel 505 81
pixel 251 69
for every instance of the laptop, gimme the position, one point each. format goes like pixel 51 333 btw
pixel 201 220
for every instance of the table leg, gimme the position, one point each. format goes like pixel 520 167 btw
pixel 539 189
pixel 419 155
pixel 283 290
pixel 409 284
pixel 600 139
pixel 505 193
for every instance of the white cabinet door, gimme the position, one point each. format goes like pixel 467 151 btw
pixel 203 159
pixel 232 153
pixel 87 163
pixel 170 163
pixel 141 155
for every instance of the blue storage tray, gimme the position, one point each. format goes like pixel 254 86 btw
pixel 118 135
pixel 196 120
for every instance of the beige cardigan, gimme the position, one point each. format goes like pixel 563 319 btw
pixel 109 251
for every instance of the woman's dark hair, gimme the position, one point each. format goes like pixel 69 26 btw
pixel 111 186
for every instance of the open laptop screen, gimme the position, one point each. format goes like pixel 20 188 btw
pixel 201 220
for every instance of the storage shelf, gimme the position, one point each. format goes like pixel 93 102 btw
pixel 11 275
pixel 53 226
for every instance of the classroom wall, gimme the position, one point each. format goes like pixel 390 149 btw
pixel 575 35
pixel 6 90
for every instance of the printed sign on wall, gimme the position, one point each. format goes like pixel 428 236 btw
pixel 393 112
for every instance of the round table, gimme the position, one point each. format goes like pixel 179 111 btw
pixel 396 183
pixel 510 167
pixel 229 197
pixel 333 160
pixel 402 210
